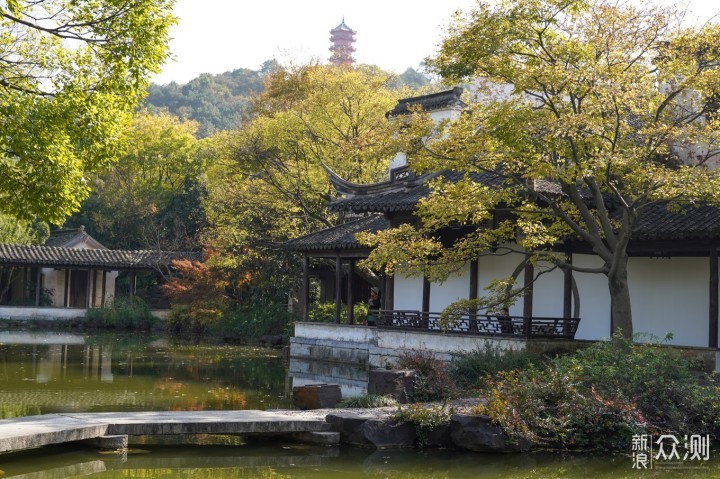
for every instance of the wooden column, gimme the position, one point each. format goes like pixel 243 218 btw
pixel 66 297
pixel 389 293
pixel 528 299
pixel 567 290
pixel 133 284
pixel 426 297
pixel 94 288
pixel 23 285
pixel 104 287
pixel 473 294
pixel 338 289
pixel 88 285
pixel 713 316
pixel 305 293
pixel 38 285
pixel 350 299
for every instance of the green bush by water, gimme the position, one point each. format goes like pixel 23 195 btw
pixel 432 378
pixel 601 396
pixel 469 370
pixel 368 401
pixel 122 313
pixel 325 312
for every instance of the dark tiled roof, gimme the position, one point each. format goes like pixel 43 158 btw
pixel 403 197
pixel 693 222
pixel 433 101
pixel 339 237
pixel 342 27
pixel 54 256
pixel 69 237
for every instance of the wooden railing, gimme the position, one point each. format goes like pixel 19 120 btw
pixel 482 325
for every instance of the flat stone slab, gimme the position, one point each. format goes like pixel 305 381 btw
pixel 37 431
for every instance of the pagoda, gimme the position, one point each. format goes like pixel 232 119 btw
pixel 342 38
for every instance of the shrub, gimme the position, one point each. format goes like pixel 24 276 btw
pixel 469 370
pixel 426 418
pixel 432 380
pixel 601 396
pixel 255 320
pixel 368 401
pixel 325 312
pixel 122 313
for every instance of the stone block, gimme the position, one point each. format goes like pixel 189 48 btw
pixel 118 442
pixel 358 430
pixel 474 432
pixel 397 383
pixel 317 396
pixel 329 438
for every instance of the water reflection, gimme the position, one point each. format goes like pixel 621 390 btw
pixel 352 378
pixel 286 460
pixel 44 373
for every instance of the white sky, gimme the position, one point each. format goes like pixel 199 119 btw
pixel 215 36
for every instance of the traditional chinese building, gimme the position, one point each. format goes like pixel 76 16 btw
pixel 71 272
pixel 673 268
pixel 342 38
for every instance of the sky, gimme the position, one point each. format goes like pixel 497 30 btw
pixel 215 36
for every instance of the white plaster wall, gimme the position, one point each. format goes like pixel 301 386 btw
pixel 110 278
pixel 337 332
pixel 496 267
pixel 400 159
pixel 54 281
pixel 671 295
pixel 443 343
pixel 408 292
pixel 548 292
pixel 456 287
pixel 594 299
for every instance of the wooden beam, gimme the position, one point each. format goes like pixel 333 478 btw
pixel 338 289
pixel 713 310
pixel 305 293
pixel 350 298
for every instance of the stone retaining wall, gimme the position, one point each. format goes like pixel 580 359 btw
pixel 381 348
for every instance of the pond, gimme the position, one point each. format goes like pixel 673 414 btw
pixel 45 372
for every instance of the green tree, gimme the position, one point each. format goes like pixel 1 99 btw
pixel 151 198
pixel 270 185
pixel 216 102
pixel 14 231
pixel 71 72
pixel 609 111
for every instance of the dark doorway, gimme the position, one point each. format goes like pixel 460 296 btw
pixel 78 288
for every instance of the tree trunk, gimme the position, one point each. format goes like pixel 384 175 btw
pixel 621 313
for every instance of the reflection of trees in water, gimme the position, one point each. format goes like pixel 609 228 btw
pixel 283 460
pixel 107 376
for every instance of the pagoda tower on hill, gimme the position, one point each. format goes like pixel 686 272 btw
pixel 342 38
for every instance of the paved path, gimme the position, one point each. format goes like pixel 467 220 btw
pixel 37 431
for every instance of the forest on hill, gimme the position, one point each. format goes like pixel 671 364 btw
pixel 219 102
